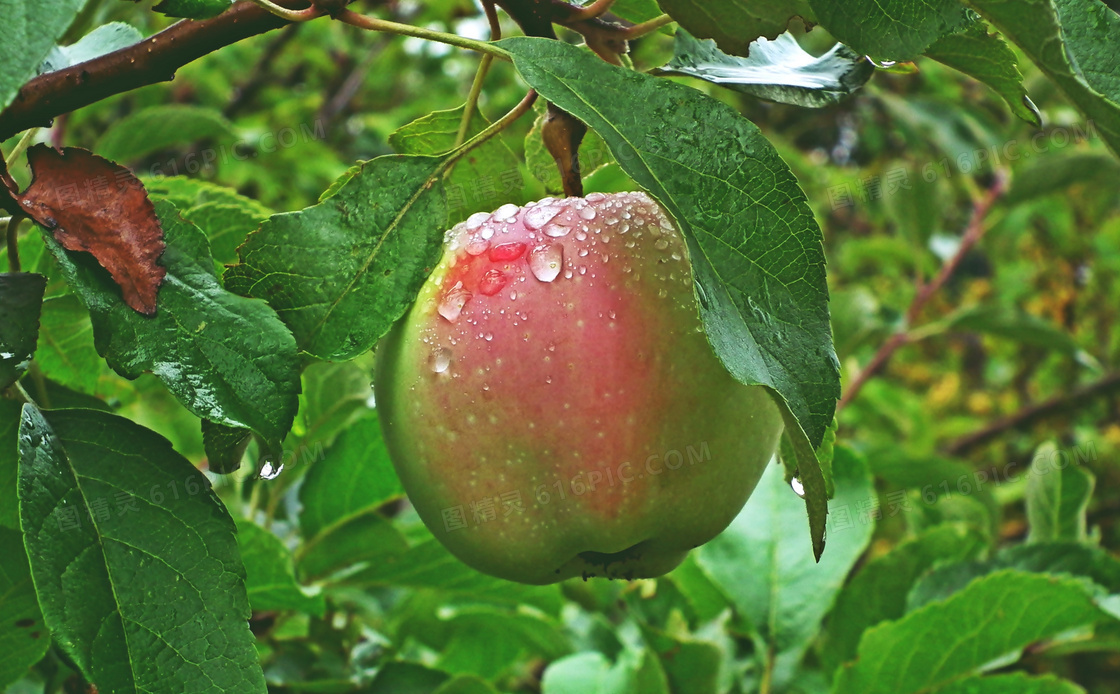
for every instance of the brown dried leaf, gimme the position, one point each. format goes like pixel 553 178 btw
pixel 92 204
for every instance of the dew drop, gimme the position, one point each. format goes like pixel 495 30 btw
pixel 661 244
pixel 507 251
pixel 582 253
pixel 476 220
pixel 537 217
pixel 581 236
pixel 506 213
pixel 596 197
pixel 453 302
pixel 587 213
pixel 477 245
pixel 488 337
pixel 440 360
pixel 492 282
pixel 487 232
pixel 269 470
pixel 583 269
pixel 556 230
pixel 546 260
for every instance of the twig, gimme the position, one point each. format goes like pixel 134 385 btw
pixel 12 232
pixel 595 9
pixel 479 76
pixel 1028 415
pixel 20 147
pixel 155 59
pixel 640 30
pixel 290 15
pixel 374 24
pixel 498 126
pixel 973 234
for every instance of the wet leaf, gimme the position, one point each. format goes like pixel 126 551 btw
pixel 91 204
pixel 226 358
pixel 134 558
pixel 341 272
pixel 778 70
pixel 21 301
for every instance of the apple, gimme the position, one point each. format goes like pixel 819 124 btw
pixel 552 404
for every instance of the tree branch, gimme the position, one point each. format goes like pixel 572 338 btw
pixel 152 60
pixel 972 235
pixel 1028 415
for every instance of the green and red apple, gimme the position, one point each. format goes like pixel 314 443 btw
pixel 552 404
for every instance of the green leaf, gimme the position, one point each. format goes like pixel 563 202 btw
pixel 593 673
pixel 987 57
pixel 27 34
pixel 993 618
pixel 890 29
pixel 636 11
pixel 226 358
pixel 133 556
pixel 466 684
pixel 397 677
pixel 341 272
pixel 484 180
pixel 66 348
pixel 334 397
pixel 489 642
pixel 690 664
pixel 1057 497
pixel 269 577
pixel 768 571
pixel 223 215
pixel 104 39
pixel 1018 326
pixel 1013 683
pixel 429 565
pixel 754 247
pixel 355 477
pixel 9 463
pixel 878 592
pixel 21 301
pixel 1073 42
pixel 156 128
pixel 24 639
pixel 225 446
pixel 1057 172
pixel 735 24
pixel 355 540
pixel 778 70
pixel 193 9
pixel 1056 558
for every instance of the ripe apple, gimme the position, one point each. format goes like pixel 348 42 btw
pixel 552 405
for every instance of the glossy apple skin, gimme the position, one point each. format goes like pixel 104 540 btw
pixel 552 405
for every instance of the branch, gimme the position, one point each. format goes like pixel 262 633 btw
pixel 152 60
pixel 1028 415
pixel 972 235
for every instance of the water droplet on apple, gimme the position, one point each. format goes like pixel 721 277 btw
pixel 440 360
pixel 476 220
pixel 506 213
pixel 661 244
pixel 587 213
pixel 545 261
pixel 492 282
pixel 537 217
pixel 507 251
pixel 453 302
pixel 556 230
pixel 477 245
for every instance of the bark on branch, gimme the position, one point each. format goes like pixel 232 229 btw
pixel 152 60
